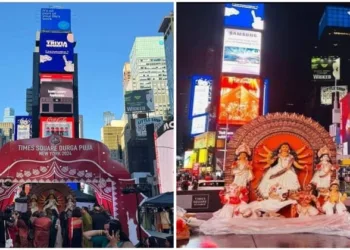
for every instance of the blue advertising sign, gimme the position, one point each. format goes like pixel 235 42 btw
pixel 56 20
pixel 56 53
pixel 23 127
pixel 244 15
pixel 201 91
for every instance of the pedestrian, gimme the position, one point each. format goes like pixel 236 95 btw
pixel 41 226
pixel 87 226
pixel 75 229
pixel 112 235
pixel 23 231
pixel 99 218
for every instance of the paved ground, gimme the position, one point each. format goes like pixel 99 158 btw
pixel 267 241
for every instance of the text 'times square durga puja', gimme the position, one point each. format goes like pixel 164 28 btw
pixel 69 180
pixel 264 159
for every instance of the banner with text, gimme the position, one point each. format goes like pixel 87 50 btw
pixel 325 68
pixel 63 126
pixel 139 101
pixel 23 127
pixel 55 19
pixel 141 124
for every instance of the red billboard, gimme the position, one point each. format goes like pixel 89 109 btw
pixel 56 85
pixel 63 126
pixel 345 119
pixel 239 100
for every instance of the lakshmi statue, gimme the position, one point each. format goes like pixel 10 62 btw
pixel 34 203
pixel 241 169
pixel 281 171
pixel 335 200
pixel 51 202
pixel 305 198
pixel 70 204
pixel 322 176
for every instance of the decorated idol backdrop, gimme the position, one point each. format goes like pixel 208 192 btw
pixel 59 160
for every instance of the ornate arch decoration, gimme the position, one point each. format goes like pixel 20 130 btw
pixel 263 127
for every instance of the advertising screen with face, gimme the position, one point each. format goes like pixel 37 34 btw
pixel 63 126
pixel 239 100
pixel 244 15
pixel 242 52
pixel 325 68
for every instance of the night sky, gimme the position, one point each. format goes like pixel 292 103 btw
pixel 289 37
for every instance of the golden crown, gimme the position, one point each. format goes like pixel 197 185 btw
pixel 243 148
pixel 323 151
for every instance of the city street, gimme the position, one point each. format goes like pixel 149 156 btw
pixel 265 241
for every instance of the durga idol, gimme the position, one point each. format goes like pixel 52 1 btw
pixel 281 171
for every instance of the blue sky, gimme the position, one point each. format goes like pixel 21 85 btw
pixel 104 32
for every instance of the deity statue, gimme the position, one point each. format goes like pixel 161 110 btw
pixel 334 200
pixel 281 171
pixel 305 198
pixel 278 199
pixel 322 176
pixel 34 203
pixel 51 202
pixel 70 203
pixel 241 169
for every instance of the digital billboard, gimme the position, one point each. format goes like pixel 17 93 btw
pixel 199 125
pixel 239 100
pixel 139 101
pixel 63 126
pixel 242 52
pixel 56 85
pixel 345 119
pixel 56 53
pixel 327 94
pixel 325 68
pixel 23 127
pixel 187 159
pixel 55 19
pixel 201 94
pixel 141 124
pixel 244 15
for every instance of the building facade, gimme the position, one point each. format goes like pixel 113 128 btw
pixel 107 118
pixel 9 115
pixel 81 126
pixel 148 71
pixel 111 136
pixel 167 28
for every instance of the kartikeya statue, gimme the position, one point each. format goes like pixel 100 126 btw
pixel 241 169
pixel 334 200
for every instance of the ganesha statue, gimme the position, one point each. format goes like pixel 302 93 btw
pixel 306 198
pixel 334 203
pixel 241 169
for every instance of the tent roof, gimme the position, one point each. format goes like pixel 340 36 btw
pixel 82 197
pixel 162 200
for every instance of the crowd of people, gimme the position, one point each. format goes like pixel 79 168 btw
pixel 83 229
pixel 187 181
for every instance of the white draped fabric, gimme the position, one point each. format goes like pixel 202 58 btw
pixel 320 224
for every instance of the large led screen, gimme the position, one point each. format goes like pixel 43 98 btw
pixel 244 15
pixel 325 68
pixel 201 94
pixel 239 100
pixel 199 125
pixel 56 85
pixel 23 127
pixel 55 19
pixel 327 93
pixel 242 52
pixel 63 126
pixel 139 101
pixel 56 53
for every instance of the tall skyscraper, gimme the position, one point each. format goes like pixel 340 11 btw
pixel 148 71
pixel 167 27
pixel 108 117
pixel 81 126
pixel 111 136
pixel 9 115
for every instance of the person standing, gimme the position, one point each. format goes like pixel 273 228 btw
pixel 41 226
pixel 87 226
pixel 99 218
pixel 75 232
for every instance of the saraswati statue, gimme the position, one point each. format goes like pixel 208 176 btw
pixel 241 169
pixel 280 164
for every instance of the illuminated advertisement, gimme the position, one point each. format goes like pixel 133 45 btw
pixel 56 85
pixel 345 119
pixel 328 92
pixel 242 52
pixel 63 126
pixel 244 15
pixel 325 68
pixel 205 140
pixel 56 53
pixel 187 159
pixel 225 133
pixel 55 19
pixel 141 124
pixel 139 100
pixel 199 125
pixel 201 94
pixel 23 127
pixel 239 100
